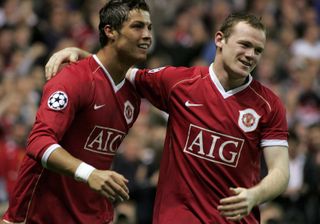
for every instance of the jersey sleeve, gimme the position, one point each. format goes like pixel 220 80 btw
pixel 156 85
pixel 62 97
pixel 275 131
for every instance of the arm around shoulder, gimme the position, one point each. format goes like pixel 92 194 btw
pixel 66 55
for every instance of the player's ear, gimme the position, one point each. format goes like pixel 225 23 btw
pixel 219 39
pixel 110 32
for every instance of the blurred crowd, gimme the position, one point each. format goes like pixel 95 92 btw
pixel 32 30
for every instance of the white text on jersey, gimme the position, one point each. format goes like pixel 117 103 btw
pixel 104 140
pixel 213 146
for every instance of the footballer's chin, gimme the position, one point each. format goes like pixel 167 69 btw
pixel 143 52
pixel 245 69
pixel 142 56
pixel 243 72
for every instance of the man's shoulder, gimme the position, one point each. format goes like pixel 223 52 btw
pixel 179 69
pixel 83 65
pixel 265 93
pixel 81 70
pixel 262 88
pixel 197 70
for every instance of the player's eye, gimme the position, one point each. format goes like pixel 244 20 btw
pixel 258 50
pixel 245 45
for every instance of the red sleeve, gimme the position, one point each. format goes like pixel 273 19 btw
pixel 62 97
pixel 156 85
pixel 276 127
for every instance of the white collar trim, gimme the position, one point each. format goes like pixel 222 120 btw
pixel 114 86
pixel 228 93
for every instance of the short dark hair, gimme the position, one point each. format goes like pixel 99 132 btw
pixel 115 12
pixel 233 19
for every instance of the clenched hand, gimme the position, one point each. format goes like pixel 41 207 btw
pixel 235 207
pixel 109 184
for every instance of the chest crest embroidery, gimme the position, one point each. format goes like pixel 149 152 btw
pixel 128 111
pixel 248 120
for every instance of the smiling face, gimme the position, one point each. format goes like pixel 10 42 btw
pixel 239 53
pixel 134 38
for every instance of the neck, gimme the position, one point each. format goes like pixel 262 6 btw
pixel 227 79
pixel 116 68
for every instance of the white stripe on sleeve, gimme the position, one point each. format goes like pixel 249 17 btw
pixel 47 153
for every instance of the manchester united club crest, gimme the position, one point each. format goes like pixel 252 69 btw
pixel 248 120
pixel 128 111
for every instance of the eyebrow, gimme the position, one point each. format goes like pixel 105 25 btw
pixel 141 22
pixel 251 44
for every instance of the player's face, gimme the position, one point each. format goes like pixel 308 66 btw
pixel 135 37
pixel 242 50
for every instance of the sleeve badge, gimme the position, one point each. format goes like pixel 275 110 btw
pixel 58 100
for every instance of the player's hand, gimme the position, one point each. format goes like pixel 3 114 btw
pixel 109 184
pixel 66 55
pixel 240 204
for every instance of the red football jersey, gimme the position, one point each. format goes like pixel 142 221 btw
pixel 88 115
pixel 214 140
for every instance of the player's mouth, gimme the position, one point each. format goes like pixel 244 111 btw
pixel 246 63
pixel 144 46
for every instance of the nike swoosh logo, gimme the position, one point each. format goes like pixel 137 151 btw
pixel 188 104
pixel 96 107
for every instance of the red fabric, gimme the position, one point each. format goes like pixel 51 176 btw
pixel 91 126
pixel 214 140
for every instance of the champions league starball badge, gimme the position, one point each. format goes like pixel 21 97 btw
pixel 58 100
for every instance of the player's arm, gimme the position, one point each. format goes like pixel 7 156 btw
pixel 53 121
pixel 272 185
pixel 276 181
pixel 108 183
pixel 66 55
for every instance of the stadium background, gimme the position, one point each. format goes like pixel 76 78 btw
pixel 31 30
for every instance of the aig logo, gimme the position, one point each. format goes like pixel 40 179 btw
pixel 104 140
pixel 213 146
